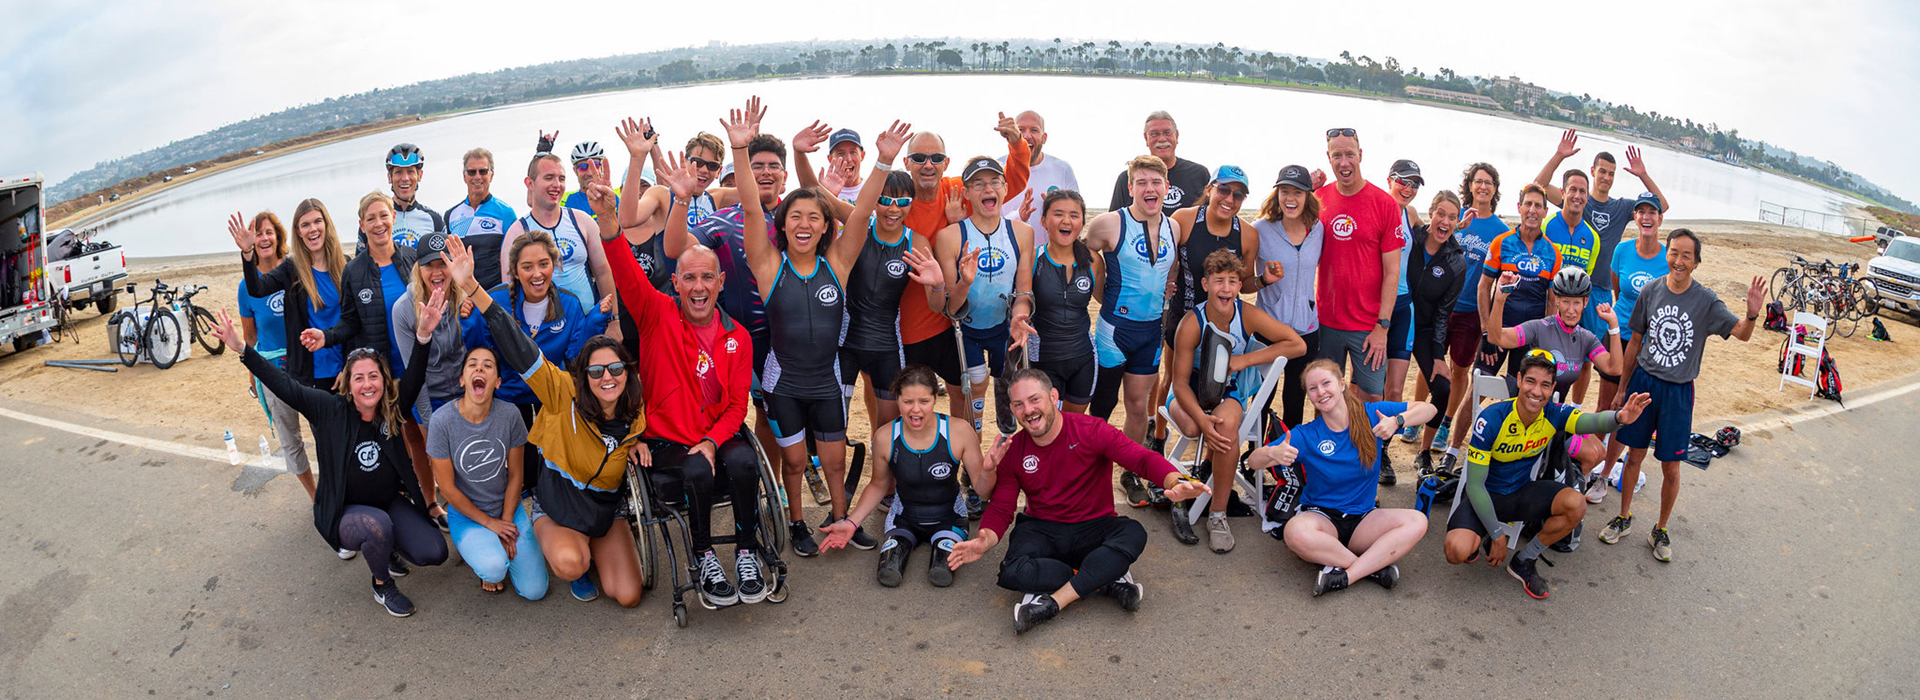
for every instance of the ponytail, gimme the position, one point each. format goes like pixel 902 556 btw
pixel 1359 424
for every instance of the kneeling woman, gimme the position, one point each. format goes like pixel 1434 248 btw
pixel 917 455
pixel 475 443
pixel 368 499
pixel 1338 526
pixel 587 427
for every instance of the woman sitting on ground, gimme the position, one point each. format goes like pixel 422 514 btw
pixel 475 443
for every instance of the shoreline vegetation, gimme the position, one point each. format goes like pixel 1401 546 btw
pixel 1349 76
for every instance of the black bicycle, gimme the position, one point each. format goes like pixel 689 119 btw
pixel 199 320
pixel 156 338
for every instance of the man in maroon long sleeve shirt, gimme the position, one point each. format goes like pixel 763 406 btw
pixel 1070 542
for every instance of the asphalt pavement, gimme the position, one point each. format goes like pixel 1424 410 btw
pixel 132 572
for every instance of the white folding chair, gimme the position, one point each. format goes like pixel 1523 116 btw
pixel 1251 430
pixel 1816 327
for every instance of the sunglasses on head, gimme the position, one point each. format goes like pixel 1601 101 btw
pixel 886 201
pixel 476 172
pixel 934 158
pixel 598 371
pixel 1343 131
pixel 704 163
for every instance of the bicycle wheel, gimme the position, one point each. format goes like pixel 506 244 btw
pixel 1778 287
pixel 164 339
pixel 203 332
pixel 129 337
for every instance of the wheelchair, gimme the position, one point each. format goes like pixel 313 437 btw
pixel 659 507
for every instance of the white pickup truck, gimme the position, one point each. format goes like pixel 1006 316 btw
pixel 26 307
pixel 85 271
pixel 1895 275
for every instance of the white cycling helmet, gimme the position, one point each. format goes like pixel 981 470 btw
pixel 587 150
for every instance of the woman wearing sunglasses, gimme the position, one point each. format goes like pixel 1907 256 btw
pixel 587 428
pixel 880 273
pixel 368 499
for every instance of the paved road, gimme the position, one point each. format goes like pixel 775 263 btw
pixel 135 573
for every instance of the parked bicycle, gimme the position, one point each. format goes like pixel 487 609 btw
pixel 156 338
pixel 1826 289
pixel 200 321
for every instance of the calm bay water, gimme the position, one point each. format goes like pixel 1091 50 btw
pixel 1094 124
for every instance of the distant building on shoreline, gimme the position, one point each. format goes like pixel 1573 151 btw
pixel 1465 98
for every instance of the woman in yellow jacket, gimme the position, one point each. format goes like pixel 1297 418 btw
pixel 587 429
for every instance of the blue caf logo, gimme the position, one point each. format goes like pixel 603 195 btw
pixel 1140 249
pixel 992 261
pixel 566 248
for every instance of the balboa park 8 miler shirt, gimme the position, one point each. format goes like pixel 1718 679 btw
pixel 1673 328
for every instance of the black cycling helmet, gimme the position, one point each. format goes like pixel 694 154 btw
pixel 404 155
pixel 1572 282
pixel 1728 437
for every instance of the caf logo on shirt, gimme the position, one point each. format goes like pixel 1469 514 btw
pixel 941 470
pixel 1327 447
pixel 1344 226
pixel 481 459
pixel 828 295
pixel 566 248
pixel 1083 283
pixel 369 455
pixel 1438 271
pixel 558 326
pixel 486 224
pixel 277 302
pixel 1638 280
pixel 1140 248
pixel 732 346
pixel 366 296
pixel 1030 465
pixel 1530 265
pixel 896 269
pixel 992 261
pixel 1672 332
pixel 1175 196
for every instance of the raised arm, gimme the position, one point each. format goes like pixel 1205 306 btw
pixel 517 351
pixel 596 254
pixel 1021 309
pixel 636 207
pixel 1569 145
pixel 1498 334
pixel 762 257
pixel 256 284
pixel 1638 168
pixel 427 317
pixel 1019 164
pixel 1608 359
pixel 959 267
pixel 847 246
pixel 300 397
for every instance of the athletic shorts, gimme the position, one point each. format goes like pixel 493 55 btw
pixel 880 366
pixel 1133 346
pixel 1170 325
pixel 794 418
pixel 941 353
pixel 1590 319
pixel 1531 504
pixel 1463 337
pixel 1232 392
pixel 1343 524
pixel 762 346
pixel 1400 334
pixel 1670 415
pixel 1340 346
pixel 1492 358
pixel 1074 378
pixel 950 529
pixel 985 346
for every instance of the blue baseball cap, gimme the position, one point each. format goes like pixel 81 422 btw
pixel 1647 198
pixel 844 136
pixel 1232 173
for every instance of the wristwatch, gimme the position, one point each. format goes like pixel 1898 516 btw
pixel 1385 323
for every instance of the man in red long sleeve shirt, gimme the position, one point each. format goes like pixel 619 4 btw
pixel 1070 542
pixel 695 372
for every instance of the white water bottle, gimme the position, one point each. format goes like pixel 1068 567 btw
pixel 233 452
pixel 266 453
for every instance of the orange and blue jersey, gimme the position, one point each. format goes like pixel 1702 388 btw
pixel 1535 264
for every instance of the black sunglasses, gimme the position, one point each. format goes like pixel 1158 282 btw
pixel 476 172
pixel 935 158
pixel 1343 131
pixel 597 371
pixel 704 163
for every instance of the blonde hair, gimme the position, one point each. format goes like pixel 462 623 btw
pixel 367 203
pixel 330 252
pixel 1148 162
pixel 1359 426
pixel 418 289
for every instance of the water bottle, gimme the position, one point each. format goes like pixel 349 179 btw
pixel 266 453
pixel 233 452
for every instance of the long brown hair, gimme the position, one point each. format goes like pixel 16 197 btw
pixel 1359 426
pixel 388 412
pixel 279 232
pixel 1309 210
pixel 334 258
pixel 527 240
pixel 630 404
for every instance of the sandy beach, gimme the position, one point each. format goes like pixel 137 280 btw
pixel 196 400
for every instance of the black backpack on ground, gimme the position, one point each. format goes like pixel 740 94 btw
pixel 1776 316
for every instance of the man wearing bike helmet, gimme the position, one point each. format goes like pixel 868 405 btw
pixel 405 166
pixel 589 168
pixel 1560 335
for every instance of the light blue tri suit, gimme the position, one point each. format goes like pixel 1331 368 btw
pixel 984 318
pixel 1134 297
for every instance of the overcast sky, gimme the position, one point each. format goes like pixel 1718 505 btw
pixel 85 82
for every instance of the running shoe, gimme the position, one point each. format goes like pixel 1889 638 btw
pixel 1411 434
pixel 1571 542
pixel 397 567
pixel 1387 577
pixel 1440 436
pixel 938 573
pixel 1331 578
pixel 1617 528
pixel 1662 545
pixel 1449 464
pixel 1125 590
pixel 1387 477
pixel 1423 463
pixel 1034 609
pixel 860 539
pixel 1523 570
pixel 802 537
pixel 1597 489
pixel 893 562
pixel 346 554
pixel 388 595
pixel 715 591
pixel 1137 494
pixel 1219 535
pixel 746 568
pixel 583 589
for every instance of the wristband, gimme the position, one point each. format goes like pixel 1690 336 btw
pixel 1615 330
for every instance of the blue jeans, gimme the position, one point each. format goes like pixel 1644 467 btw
pixel 488 558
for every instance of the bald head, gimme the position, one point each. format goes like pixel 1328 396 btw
pixel 926 175
pixel 697 281
pixel 1033 130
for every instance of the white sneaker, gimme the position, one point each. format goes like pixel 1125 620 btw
pixel 1219 535
pixel 1597 490
pixel 346 554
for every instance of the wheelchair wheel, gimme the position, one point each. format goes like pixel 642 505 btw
pixel 638 498
pixel 773 500
pixel 680 614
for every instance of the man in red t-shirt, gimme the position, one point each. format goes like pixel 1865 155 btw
pixel 1069 543
pixel 1359 266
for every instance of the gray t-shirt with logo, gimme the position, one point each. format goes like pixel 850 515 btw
pixel 478 450
pixel 1609 220
pixel 1572 348
pixel 1673 328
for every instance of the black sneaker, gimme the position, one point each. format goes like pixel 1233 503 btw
pixel 938 573
pixel 975 504
pixel 1449 464
pixel 1331 578
pixel 1387 577
pixel 1387 477
pixel 893 562
pixel 715 591
pixel 1423 463
pixel 1571 542
pixel 1137 494
pixel 746 569
pixel 1182 530
pixel 860 539
pixel 1531 581
pixel 1033 610
pixel 1125 590
pixel 388 595
pixel 802 537
pixel 1157 444
pixel 397 567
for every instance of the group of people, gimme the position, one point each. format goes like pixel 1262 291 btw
pixel 495 375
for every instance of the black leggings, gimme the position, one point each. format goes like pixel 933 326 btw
pixel 1042 556
pixel 376 534
pixel 1106 391
pixel 740 476
pixel 1293 390
pixel 1426 353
